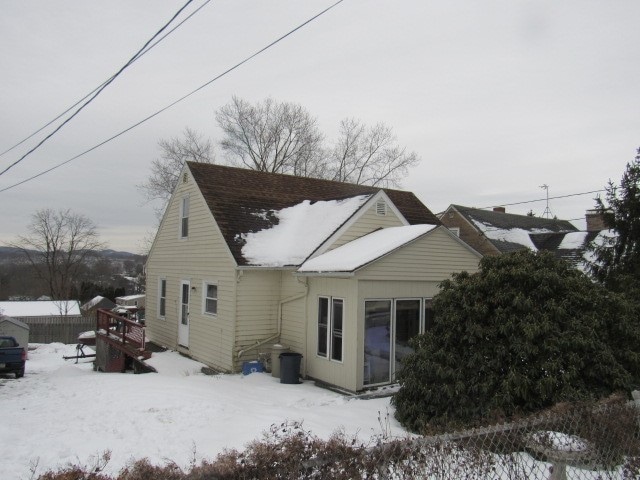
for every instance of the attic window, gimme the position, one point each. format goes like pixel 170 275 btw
pixel 185 177
pixel 381 208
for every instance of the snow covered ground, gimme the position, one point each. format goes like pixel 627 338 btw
pixel 62 413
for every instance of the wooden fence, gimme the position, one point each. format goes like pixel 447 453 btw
pixel 57 329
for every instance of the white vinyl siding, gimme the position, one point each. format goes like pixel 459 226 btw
pixel 369 222
pixel 430 258
pixel 342 340
pixel 258 294
pixel 293 311
pixel 204 255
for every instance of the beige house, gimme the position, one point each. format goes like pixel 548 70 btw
pixel 341 273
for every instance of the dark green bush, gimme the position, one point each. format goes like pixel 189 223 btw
pixel 525 332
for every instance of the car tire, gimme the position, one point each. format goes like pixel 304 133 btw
pixel 20 374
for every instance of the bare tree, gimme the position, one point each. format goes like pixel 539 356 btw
pixel 283 137
pixel 369 155
pixel 57 247
pixel 277 137
pixel 166 169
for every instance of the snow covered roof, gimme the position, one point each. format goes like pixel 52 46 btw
pixel 98 301
pixel 131 297
pixel 510 238
pixel 509 232
pixel 573 240
pixel 602 238
pixel 364 250
pixel 245 202
pixel 53 308
pixel 300 230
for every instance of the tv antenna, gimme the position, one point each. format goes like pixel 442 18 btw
pixel 547 211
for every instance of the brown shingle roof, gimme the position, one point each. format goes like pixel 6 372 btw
pixel 236 196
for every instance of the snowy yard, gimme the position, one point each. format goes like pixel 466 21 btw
pixel 62 413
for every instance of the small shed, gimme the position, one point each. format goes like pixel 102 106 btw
pixel 89 308
pixel 17 329
pixel 132 300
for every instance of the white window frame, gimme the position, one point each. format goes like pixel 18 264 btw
pixel 426 302
pixel 162 280
pixel 330 329
pixel 205 285
pixel 184 217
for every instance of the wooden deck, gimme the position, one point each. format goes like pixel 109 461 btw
pixel 120 343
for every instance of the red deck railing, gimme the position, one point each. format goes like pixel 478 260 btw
pixel 124 331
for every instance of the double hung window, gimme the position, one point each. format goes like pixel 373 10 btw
pixel 210 298
pixel 330 327
pixel 184 218
pixel 162 297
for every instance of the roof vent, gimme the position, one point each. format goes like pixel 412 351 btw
pixel 185 178
pixel 381 208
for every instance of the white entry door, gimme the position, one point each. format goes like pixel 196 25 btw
pixel 183 325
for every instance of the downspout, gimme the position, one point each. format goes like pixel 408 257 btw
pixel 279 331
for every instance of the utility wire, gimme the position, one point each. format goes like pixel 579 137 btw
pixel 542 199
pixel 528 201
pixel 184 97
pixel 99 90
pixel 103 83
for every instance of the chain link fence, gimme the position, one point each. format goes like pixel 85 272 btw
pixel 578 441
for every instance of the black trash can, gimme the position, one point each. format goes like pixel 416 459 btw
pixel 290 367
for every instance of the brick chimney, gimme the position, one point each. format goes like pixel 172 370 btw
pixel 500 209
pixel 595 221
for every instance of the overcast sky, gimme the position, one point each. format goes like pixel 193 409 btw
pixel 496 97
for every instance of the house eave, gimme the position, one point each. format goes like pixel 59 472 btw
pixel 326 274
pixel 267 267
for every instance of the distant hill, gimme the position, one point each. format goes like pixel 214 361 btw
pixel 11 254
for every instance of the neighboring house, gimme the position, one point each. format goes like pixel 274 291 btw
pixel 137 300
pixel 492 232
pixel 49 321
pixel 342 274
pixel 89 308
pixel 17 329
pixel 131 307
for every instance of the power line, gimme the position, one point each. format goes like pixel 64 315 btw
pixel 531 201
pixel 543 199
pixel 103 83
pixel 184 97
pixel 99 91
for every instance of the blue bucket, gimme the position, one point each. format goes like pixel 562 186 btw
pixel 252 367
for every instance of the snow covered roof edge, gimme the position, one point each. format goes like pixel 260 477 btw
pixel 365 250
